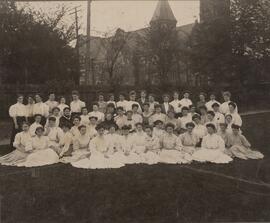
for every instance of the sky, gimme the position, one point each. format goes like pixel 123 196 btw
pixel 107 16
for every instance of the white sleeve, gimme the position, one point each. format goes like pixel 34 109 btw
pixel 17 140
pixel 12 111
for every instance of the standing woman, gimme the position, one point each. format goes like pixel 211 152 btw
pixel 41 154
pixel 23 145
pixel 62 104
pixel 30 109
pixel 76 105
pixel 41 108
pixel 18 113
pixel 102 104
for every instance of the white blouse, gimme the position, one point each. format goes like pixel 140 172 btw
pixel 85 120
pixel 99 144
pixel 126 143
pixel 23 139
pixel 51 104
pixel 200 131
pixel 33 127
pixel 99 115
pixel 29 110
pixel 76 106
pixel 81 142
pixel 41 108
pixel 170 142
pixel 210 103
pixel 17 110
pixel 184 120
pixel 55 134
pixel 213 141
pixel 40 143
pixel 176 106
pixel 185 102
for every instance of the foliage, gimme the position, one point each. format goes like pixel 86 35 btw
pixel 35 48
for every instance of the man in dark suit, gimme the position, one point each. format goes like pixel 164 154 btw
pixel 165 106
pixel 142 98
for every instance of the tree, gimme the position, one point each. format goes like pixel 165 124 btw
pixel 115 52
pixel 35 48
pixel 251 38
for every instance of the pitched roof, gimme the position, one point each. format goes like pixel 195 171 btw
pixel 163 12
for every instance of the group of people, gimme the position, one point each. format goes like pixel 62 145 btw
pixel 115 133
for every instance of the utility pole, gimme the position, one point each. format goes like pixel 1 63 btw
pixel 77 78
pixel 88 46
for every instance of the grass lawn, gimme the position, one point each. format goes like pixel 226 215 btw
pixel 239 191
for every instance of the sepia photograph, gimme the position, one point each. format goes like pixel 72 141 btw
pixel 134 111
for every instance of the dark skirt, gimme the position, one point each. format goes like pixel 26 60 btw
pixel 14 131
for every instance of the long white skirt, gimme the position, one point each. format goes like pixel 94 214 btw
pixel 11 159
pixel 98 161
pixel 40 158
pixel 130 158
pixel 242 152
pixel 211 155
pixel 150 157
pixel 174 157
pixel 75 156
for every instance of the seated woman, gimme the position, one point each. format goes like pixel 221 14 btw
pixel 152 147
pixel 108 122
pixel 188 139
pixel 158 129
pixel 213 148
pixel 199 130
pixel 126 151
pixel 139 138
pixel 76 124
pixel 239 145
pixel 55 134
pixel 81 143
pixel 99 147
pixel 23 145
pixel 171 147
pixel 170 118
pixel 113 139
pixel 223 132
pixel 37 123
pixel 185 118
pixel 66 142
pixel 41 154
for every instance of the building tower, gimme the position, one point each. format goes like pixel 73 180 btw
pixel 163 16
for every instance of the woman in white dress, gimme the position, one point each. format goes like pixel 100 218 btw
pixel 213 148
pixel 100 157
pixel 239 146
pixel 75 128
pixel 62 105
pixel 139 139
pixel 81 144
pixel 185 118
pixel 37 123
pixel 237 120
pixel 158 130
pixel 41 154
pixel 66 142
pixel 199 130
pixel 171 147
pixel 23 145
pixel 189 140
pixel 55 134
pixel 152 147
pixel 157 115
pixel 85 117
pixel 30 109
pixel 18 114
pixel 127 153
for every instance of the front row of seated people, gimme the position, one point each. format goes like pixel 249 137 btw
pixel 103 145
